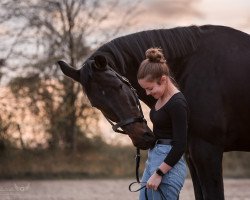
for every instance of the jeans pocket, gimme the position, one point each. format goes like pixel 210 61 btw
pixel 162 149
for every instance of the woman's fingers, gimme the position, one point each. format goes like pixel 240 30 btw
pixel 152 186
pixel 149 185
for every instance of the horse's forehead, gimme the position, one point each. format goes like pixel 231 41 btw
pixel 90 74
pixel 104 77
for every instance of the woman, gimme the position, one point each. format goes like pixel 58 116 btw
pixel 165 167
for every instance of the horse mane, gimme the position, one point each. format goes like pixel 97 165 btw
pixel 175 42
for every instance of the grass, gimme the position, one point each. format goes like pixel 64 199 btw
pixel 104 162
pixel 96 162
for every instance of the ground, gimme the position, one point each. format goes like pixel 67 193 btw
pixel 115 189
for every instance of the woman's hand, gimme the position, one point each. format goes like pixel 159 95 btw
pixel 154 181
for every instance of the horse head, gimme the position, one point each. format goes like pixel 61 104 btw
pixel 113 95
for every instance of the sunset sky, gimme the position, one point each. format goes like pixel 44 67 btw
pixel 171 13
pixel 154 14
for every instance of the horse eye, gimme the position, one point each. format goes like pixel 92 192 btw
pixel 121 86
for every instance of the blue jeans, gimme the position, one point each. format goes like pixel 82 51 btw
pixel 172 181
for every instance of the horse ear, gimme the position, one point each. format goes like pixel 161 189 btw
pixel 69 71
pixel 100 62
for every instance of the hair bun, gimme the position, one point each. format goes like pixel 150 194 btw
pixel 155 55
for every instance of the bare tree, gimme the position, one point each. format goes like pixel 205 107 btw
pixel 38 33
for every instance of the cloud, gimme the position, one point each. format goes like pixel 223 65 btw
pixel 171 8
pixel 166 11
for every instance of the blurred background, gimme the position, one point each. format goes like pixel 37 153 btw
pixel 47 127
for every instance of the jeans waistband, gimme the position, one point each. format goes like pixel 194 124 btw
pixel 164 141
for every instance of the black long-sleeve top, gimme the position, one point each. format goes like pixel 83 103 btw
pixel 170 122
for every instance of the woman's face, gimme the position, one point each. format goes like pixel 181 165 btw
pixel 154 88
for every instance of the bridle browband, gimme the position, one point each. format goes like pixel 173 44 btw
pixel 131 120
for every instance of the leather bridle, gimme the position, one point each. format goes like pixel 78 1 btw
pixel 131 120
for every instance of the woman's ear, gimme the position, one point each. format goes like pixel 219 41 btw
pixel 162 80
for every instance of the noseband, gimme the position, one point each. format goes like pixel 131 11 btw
pixel 131 120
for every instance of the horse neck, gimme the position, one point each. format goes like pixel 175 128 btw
pixel 126 53
pixel 176 43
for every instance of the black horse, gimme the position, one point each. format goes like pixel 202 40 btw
pixel 212 67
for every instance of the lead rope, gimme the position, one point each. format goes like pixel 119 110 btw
pixel 137 166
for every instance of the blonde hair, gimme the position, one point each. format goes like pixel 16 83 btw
pixel 154 66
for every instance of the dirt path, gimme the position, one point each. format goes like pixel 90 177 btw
pixel 235 189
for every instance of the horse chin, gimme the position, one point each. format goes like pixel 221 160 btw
pixel 144 142
pixel 142 137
